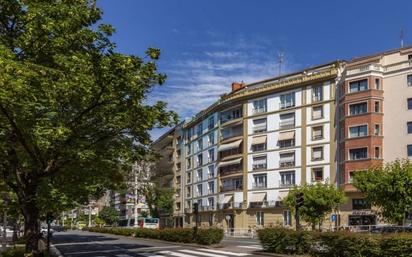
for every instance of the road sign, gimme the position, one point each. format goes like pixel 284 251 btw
pixel 333 217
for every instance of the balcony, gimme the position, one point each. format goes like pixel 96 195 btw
pixel 286 163
pixel 227 172
pixel 366 68
pixel 231 188
pixel 230 115
pixel 259 186
pixel 206 208
pixel 287 124
pixel 231 205
pixel 231 152
pixel 266 204
pixel 188 210
pixel 286 105
pixel 261 166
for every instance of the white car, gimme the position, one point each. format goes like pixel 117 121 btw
pixel 43 231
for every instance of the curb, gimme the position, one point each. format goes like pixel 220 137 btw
pixel 262 253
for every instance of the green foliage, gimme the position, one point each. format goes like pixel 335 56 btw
pixel 209 236
pixel 319 200
pixel 109 215
pixel 74 113
pixel 182 235
pixel 13 252
pixel 389 188
pixel 335 244
pixel 159 200
pixel 99 221
pixel 285 241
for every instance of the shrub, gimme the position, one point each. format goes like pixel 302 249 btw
pixel 180 235
pixel 398 245
pixel 209 236
pixel 13 252
pixel 285 241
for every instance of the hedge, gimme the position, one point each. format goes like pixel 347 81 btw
pixel 181 235
pixel 13 252
pixel 335 244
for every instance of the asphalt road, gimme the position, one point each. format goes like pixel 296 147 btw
pixel 81 244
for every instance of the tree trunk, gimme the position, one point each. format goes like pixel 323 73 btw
pixel 31 227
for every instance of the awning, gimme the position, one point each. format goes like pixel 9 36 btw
pixel 227 199
pixel 287 135
pixel 283 194
pixel 258 197
pixel 232 145
pixel 259 140
pixel 231 162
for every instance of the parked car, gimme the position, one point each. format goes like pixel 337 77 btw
pixel 391 229
pixel 43 231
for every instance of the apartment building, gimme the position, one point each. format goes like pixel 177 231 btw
pixel 242 155
pixel 375 122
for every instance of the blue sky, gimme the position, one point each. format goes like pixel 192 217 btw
pixel 208 44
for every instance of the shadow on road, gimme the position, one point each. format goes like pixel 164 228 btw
pixel 75 238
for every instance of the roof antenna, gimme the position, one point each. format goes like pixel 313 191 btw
pixel 402 36
pixel 280 62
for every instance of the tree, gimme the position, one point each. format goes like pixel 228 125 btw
pixel 109 215
pixel 388 187
pixel 159 200
pixel 319 200
pixel 73 111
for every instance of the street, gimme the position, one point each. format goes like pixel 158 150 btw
pixel 76 243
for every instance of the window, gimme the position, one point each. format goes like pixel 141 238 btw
pixel 377 84
pixel 377 106
pixel 211 187
pixel 189 163
pixel 211 122
pixel 199 129
pixel 211 203
pixel 317 112
pixel 189 149
pixel 211 155
pixel 259 106
pixel 358 153
pixel 356 86
pixel 358 131
pixel 259 125
pixel 287 218
pixel 260 218
pixel 199 144
pixel 409 79
pixel 189 133
pixel 287 179
pixel 287 100
pixel 317 93
pixel 230 115
pixel 199 160
pixel 317 153
pixel 200 204
pixel 377 130
pixel 188 177
pixel 188 191
pixel 178 179
pixel 409 149
pixel 211 139
pixel 287 159
pixel 409 103
pixel 286 143
pixel 351 176
pixel 199 190
pixel 211 171
pixel 259 181
pixel 199 175
pixel 287 120
pixel 360 204
pixel 409 125
pixel 317 133
pixel 258 147
pixel 360 108
pixel 377 152
pixel 259 162
pixel 317 174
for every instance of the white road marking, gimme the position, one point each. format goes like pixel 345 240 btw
pixel 201 253
pixel 123 255
pixel 251 246
pixel 224 252
pixel 175 254
pixel 151 255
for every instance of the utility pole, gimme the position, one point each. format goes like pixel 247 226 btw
pixel 402 34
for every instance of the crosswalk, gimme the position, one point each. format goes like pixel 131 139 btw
pixel 200 252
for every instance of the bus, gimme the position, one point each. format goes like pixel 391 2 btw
pixel 152 223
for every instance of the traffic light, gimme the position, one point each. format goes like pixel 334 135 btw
pixel 49 218
pixel 195 208
pixel 299 200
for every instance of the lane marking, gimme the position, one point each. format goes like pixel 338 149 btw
pixel 175 254
pixel 251 246
pixel 224 252
pixel 201 253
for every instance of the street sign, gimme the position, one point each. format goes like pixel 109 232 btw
pixel 333 217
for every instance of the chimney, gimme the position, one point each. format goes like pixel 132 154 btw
pixel 236 86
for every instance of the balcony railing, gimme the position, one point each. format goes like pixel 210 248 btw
pixel 231 205
pixel 206 208
pixel 266 204
pixel 226 172
pixel 286 184
pixel 230 135
pixel 317 137
pixel 188 210
pixel 286 163
pixel 231 152
pixel 259 166
pixel 287 124
pixel 259 185
pixel 231 188
pixel 287 105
